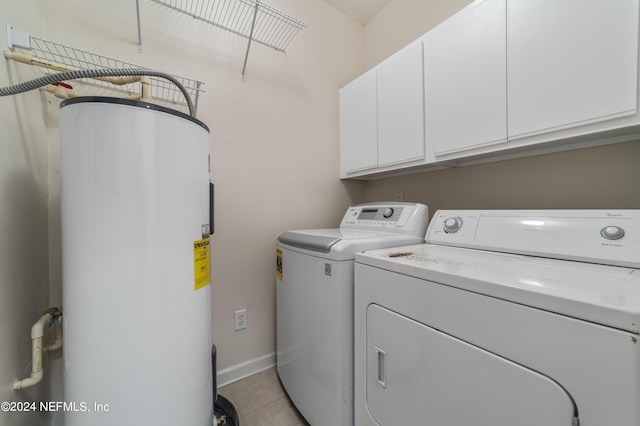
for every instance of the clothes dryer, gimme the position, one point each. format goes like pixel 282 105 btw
pixel 501 318
pixel 314 289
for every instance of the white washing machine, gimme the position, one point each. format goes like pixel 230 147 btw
pixel 314 287
pixel 528 318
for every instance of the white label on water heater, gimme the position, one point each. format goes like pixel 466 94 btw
pixel 205 231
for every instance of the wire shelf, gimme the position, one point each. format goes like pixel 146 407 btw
pixel 163 92
pixel 251 19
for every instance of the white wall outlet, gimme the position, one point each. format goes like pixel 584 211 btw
pixel 240 319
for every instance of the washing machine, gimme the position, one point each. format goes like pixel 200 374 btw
pixel 502 318
pixel 314 291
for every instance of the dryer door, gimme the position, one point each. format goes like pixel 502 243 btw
pixel 417 375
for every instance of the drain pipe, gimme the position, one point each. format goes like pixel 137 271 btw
pixel 57 343
pixel 37 334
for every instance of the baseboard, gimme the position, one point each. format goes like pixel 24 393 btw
pixel 240 371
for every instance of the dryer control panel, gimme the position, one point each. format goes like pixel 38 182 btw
pixel 610 237
pixel 404 218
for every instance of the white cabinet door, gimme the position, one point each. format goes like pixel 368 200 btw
pixel 358 129
pixel 401 107
pixel 465 79
pixel 570 62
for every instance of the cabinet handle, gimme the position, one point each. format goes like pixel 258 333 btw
pixel 382 356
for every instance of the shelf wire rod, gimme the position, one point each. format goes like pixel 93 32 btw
pixel 245 26
pixel 212 22
pixel 198 7
pixel 210 8
pixel 279 35
pixel 246 56
pixel 242 16
pixel 227 16
pixel 140 48
pixel 232 17
pixel 288 35
pixel 216 13
pixel 197 96
pixel 236 16
pixel 270 28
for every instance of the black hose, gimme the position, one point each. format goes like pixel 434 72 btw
pixel 96 73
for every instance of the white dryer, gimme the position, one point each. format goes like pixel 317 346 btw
pixel 502 318
pixel 314 289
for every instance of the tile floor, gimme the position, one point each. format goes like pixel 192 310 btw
pixel 261 401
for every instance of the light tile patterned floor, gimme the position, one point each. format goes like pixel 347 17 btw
pixel 261 401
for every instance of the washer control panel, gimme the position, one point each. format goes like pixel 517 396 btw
pixel 609 237
pixel 409 218
pixel 452 224
pixel 392 214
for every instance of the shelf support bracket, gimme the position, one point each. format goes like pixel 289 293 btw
pixel 253 24
pixel 140 47
pixel 17 38
pixel 197 97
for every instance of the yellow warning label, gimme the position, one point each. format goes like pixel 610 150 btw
pixel 201 263
pixel 279 264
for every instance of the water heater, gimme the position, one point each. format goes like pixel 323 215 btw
pixel 135 253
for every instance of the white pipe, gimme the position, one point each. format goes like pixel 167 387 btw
pixel 61 92
pixel 145 92
pixel 57 344
pixel 37 334
pixel 31 60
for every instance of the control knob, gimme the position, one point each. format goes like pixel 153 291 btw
pixel 452 224
pixel 387 213
pixel 612 232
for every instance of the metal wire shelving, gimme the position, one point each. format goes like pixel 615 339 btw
pixel 60 57
pixel 271 28
pixel 251 19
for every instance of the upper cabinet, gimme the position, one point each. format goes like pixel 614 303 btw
pixel 570 63
pixel 465 73
pixel 358 128
pixel 382 116
pixel 503 79
pixel 401 107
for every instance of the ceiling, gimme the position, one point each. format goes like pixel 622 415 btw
pixel 360 10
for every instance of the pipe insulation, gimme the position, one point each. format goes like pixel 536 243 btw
pixel 95 73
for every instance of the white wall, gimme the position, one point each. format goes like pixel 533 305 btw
pixel 401 22
pixel 24 289
pixel 274 145
pixel 277 151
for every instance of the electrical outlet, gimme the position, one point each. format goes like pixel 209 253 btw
pixel 399 196
pixel 240 319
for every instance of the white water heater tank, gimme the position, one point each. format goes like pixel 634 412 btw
pixel 135 254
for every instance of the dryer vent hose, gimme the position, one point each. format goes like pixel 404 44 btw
pixel 96 73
